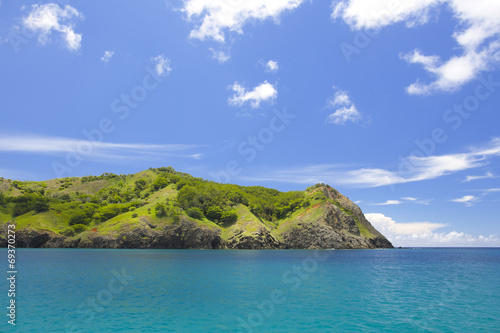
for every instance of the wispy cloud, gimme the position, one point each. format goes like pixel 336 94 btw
pixel 57 145
pixel 264 92
pixel 388 202
pixel 345 110
pixel 107 56
pixel 214 18
pixel 220 55
pixel 468 200
pixel 48 18
pixel 411 169
pixel 486 176
pixel 402 201
pixel 423 234
pixel 477 34
pixel 161 65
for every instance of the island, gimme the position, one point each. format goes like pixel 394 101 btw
pixel 161 208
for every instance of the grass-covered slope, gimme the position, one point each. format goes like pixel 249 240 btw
pixel 163 208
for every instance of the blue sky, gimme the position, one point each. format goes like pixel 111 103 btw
pixel 395 104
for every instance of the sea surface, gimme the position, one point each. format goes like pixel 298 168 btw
pixel 400 290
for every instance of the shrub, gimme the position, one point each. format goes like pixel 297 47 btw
pixel 214 213
pixel 229 217
pixel 78 218
pixel 41 206
pixel 160 210
pixel 195 213
pixel 134 215
pixel 79 228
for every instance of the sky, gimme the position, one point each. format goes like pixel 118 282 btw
pixel 393 103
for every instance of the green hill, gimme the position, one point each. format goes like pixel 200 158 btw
pixel 163 208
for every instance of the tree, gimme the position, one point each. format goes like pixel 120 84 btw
pixel 195 213
pixel 78 218
pixel 160 183
pixel 41 206
pixel 160 210
pixel 214 213
pixel 140 184
pixel 229 217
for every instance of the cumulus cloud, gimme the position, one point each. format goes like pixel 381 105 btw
pixel 264 92
pixel 161 65
pixel 410 169
pixel 220 55
pixel 48 18
pixel 423 234
pixel 272 66
pixel 477 35
pixel 468 200
pixel 345 110
pixel 107 56
pixel 214 18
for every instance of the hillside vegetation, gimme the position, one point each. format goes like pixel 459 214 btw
pixel 163 208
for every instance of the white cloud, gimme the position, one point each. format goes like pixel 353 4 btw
pixel 107 56
pixel 44 19
pixel 477 34
pixel 162 65
pixel 388 202
pixel 216 17
pixel 345 110
pixel 486 176
pixel 272 66
pixel 49 145
pixel 264 92
pixel 402 201
pixel 411 169
pixel 220 56
pixel 416 234
pixel 468 200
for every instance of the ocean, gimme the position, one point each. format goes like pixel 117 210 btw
pixel 399 290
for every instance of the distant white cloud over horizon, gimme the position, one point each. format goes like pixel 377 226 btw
pixel 107 56
pixel 417 234
pixel 411 169
pixel 161 65
pixel 402 201
pixel 345 110
pixel 477 35
pixel 264 92
pixel 44 19
pixel 214 18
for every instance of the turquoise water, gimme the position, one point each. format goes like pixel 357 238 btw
pixel 417 290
